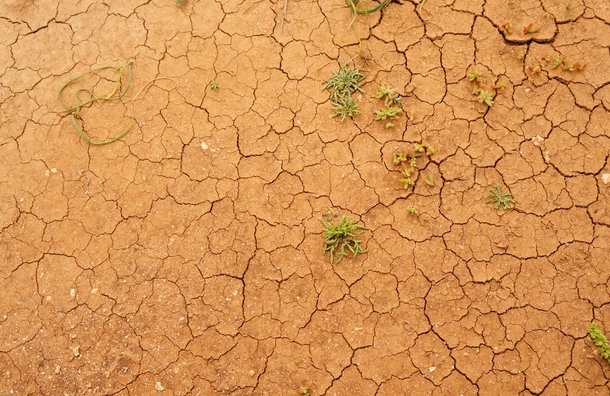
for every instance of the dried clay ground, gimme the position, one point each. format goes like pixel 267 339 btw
pixel 187 258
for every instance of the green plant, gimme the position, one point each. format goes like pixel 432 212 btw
pixel 412 211
pixel 344 82
pixel 529 29
pixel 117 93
pixel 214 85
pixel 483 96
pixel 497 197
pixel 387 112
pixel 304 390
pixel 600 341
pixel 180 2
pixel 475 76
pixel 520 55
pixel 508 27
pixel 346 107
pixel 388 94
pixel 573 66
pixel 406 182
pixel 340 236
pixel 409 164
pixel 429 181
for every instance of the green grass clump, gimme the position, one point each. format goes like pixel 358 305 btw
pixel 600 341
pixel 342 235
pixel 344 83
pixel 497 197
pixel 346 107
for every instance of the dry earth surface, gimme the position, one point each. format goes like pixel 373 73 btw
pixel 187 258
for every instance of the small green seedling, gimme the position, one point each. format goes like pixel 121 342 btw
pixel 388 94
pixel 558 61
pixel 429 181
pixel 400 158
pixel 387 112
pixel 304 390
pixel 214 85
pixel 498 86
pixel 345 107
pixel 180 2
pixel 577 66
pixel 508 27
pixel 534 69
pixel 600 341
pixel 475 76
pixel 520 55
pixel 340 236
pixel 483 96
pixel 530 29
pixel 406 182
pixel 412 211
pixel 497 197
pixel 344 82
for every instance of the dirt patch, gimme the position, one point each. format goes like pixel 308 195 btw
pixel 187 257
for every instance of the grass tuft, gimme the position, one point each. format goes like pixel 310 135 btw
pixel 497 197
pixel 342 235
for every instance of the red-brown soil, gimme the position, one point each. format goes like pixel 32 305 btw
pixel 187 257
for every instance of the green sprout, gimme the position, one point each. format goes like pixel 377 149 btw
pixel 600 341
pixel 304 390
pixel 497 197
pixel 388 94
pixel 413 211
pixel 406 183
pixel 387 112
pixel 180 2
pixel 483 96
pixel 475 76
pixel 429 181
pixel 340 236
pixel 344 82
pixel 345 107
pixel 214 85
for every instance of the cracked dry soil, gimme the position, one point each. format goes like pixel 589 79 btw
pixel 186 258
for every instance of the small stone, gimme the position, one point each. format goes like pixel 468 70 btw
pixel 251 373
pixel 606 178
pixel 76 350
pixel 432 368
pixel 159 387
pixel 204 145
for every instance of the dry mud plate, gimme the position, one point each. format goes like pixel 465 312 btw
pixel 187 258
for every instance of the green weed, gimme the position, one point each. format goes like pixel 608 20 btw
pixel 214 85
pixel 475 77
pixel 340 236
pixel 388 94
pixel 346 107
pixel 412 211
pixel 387 112
pixel 497 197
pixel 600 341
pixel 483 96
pixel 344 82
